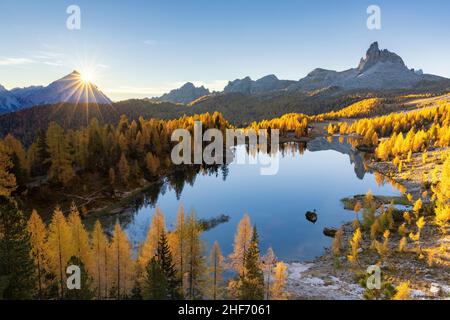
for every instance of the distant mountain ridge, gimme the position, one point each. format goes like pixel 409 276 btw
pixel 378 72
pixel 69 89
pixel 264 84
pixel 185 94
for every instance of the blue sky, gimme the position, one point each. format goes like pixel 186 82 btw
pixel 145 48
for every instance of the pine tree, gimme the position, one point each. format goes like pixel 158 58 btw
pixel 252 280
pixel 60 248
pixel 164 258
pixel 85 292
pixel 42 154
pixel 279 283
pixel 38 241
pixel 216 267
pixel 155 285
pixel 100 258
pixel 17 277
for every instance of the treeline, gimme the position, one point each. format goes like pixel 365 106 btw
pixel 169 264
pixel 123 153
pixel 360 109
pixel 239 109
pixel 292 122
pixel 402 133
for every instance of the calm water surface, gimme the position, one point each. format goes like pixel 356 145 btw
pixel 316 178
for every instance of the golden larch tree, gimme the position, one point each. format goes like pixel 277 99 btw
pixel 268 263
pixel 80 238
pixel 100 257
pixel 150 246
pixel 195 262
pixel 122 264
pixel 61 162
pixel 242 241
pixel 60 248
pixel 38 241
pixel 216 267
pixel 278 291
pixel 177 244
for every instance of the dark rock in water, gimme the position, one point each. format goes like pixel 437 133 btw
pixel 311 216
pixel 329 232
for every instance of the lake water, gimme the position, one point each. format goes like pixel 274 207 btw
pixel 315 178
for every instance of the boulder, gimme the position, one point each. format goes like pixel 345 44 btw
pixel 329 232
pixel 311 216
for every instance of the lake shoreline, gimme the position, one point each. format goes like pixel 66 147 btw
pixel 321 279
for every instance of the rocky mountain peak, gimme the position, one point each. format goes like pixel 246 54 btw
pixel 374 55
pixel 185 94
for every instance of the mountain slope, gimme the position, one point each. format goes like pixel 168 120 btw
pixel 8 101
pixel 69 89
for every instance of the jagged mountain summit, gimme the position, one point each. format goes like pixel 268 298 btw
pixel 69 89
pixel 185 94
pixel 378 70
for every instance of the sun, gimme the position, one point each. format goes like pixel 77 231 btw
pixel 87 76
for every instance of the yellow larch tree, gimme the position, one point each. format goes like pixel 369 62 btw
pixel 442 197
pixel 60 248
pixel 122 264
pixel 215 270
pixel 268 263
pixel 61 162
pixel 38 241
pixel 177 239
pixel 195 262
pixel 80 238
pixel 124 169
pixel 355 243
pixel 278 291
pixel 402 292
pixel 100 257
pixel 242 241
pixel 150 246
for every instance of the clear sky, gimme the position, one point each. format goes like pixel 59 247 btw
pixel 145 48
